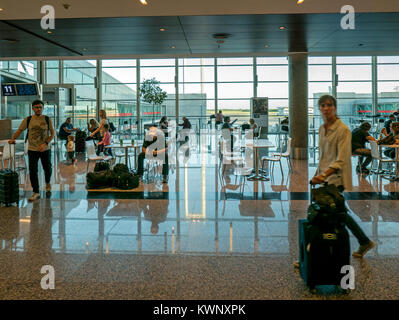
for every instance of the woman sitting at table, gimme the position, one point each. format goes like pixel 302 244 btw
pixel 92 126
pixel 390 152
pixel 106 141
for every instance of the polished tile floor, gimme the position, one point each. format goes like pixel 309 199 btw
pixel 201 236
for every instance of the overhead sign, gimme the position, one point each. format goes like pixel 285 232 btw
pixel 19 89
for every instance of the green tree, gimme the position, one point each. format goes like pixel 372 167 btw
pixel 151 92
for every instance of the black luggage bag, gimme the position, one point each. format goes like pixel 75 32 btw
pixel 324 246
pixel 9 188
pixel 322 254
pixel 80 141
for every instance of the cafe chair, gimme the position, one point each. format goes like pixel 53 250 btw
pixel 375 154
pixel 92 156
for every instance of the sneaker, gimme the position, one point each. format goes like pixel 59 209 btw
pixel 48 187
pixel 165 179
pixel 360 253
pixel 35 196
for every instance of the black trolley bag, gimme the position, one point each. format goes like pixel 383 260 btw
pixel 9 183
pixel 324 246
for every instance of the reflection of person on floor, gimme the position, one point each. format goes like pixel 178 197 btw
pixel 162 151
pixel 156 212
pixel 40 240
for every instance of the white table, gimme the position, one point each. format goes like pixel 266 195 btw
pixel 257 144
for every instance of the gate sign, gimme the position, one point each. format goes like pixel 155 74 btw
pixel 19 89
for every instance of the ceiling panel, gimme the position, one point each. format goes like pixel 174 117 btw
pixel 138 36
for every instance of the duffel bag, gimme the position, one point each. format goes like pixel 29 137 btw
pixel 97 180
pixel 126 181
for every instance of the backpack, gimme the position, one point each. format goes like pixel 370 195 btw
pixel 111 127
pixel 27 125
pixel 121 168
pixel 327 207
pixel 390 139
pixel 101 166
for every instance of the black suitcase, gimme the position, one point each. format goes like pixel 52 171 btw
pixel 322 253
pixel 80 141
pixel 9 187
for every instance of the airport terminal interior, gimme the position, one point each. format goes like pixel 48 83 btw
pixel 221 224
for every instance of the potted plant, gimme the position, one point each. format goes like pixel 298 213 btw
pixel 151 92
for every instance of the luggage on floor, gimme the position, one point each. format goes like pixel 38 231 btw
pixel 101 179
pixel 80 141
pixel 121 168
pixel 126 181
pixel 323 251
pixel 9 187
pixel 102 166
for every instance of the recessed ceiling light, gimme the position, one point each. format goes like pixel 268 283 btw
pixel 266 46
pixel 143 2
pixel 1 9
pixel 300 1
pixel 161 29
pixel 49 32
pixel 84 49
pixel 172 47
pixel 283 28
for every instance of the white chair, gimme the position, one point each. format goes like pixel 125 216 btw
pixel 92 156
pixel 375 154
pixel 273 159
pixel 286 154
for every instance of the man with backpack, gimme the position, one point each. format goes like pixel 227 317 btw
pixel 39 135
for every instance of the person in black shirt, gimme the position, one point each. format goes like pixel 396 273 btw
pixel 225 132
pixel 151 138
pixel 66 129
pixel 359 138
pixel 387 124
pixel 186 123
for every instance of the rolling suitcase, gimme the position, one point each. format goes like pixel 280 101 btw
pixel 324 248
pixel 80 141
pixel 9 185
pixel 322 254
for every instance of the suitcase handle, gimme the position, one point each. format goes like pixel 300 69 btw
pixel 12 154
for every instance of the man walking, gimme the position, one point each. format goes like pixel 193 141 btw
pixel 40 133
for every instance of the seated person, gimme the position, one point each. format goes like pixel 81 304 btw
pixel 150 138
pixel 284 124
pixel 390 152
pixel 387 124
pixel 253 126
pixel 66 129
pixel 360 136
pixel 106 141
pixel 227 126
pixel 92 126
